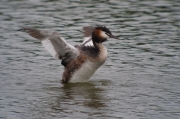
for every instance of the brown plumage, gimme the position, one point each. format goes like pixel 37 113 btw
pixel 72 67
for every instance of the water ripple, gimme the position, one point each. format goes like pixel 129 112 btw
pixel 140 79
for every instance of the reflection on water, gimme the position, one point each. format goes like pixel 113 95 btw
pixel 85 94
pixel 91 95
pixel 140 79
pixel 74 99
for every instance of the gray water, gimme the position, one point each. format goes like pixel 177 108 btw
pixel 139 80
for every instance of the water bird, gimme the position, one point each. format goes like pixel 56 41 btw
pixel 80 61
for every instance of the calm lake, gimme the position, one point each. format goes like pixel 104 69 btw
pixel 139 80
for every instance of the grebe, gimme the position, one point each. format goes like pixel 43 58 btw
pixel 80 61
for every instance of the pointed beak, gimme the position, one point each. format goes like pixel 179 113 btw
pixel 112 36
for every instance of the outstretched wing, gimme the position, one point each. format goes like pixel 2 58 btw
pixel 54 43
pixel 88 30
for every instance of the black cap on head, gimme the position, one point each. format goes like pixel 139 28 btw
pixel 103 28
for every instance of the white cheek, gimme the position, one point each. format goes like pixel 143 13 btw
pixel 104 35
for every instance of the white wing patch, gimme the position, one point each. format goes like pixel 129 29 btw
pixel 50 48
pixel 87 41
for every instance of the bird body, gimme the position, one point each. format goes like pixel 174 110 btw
pixel 90 65
pixel 80 62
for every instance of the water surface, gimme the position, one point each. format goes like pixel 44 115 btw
pixel 140 79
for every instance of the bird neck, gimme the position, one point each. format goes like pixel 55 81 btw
pixel 98 46
pixel 96 39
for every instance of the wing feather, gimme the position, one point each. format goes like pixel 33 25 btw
pixel 88 30
pixel 53 43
